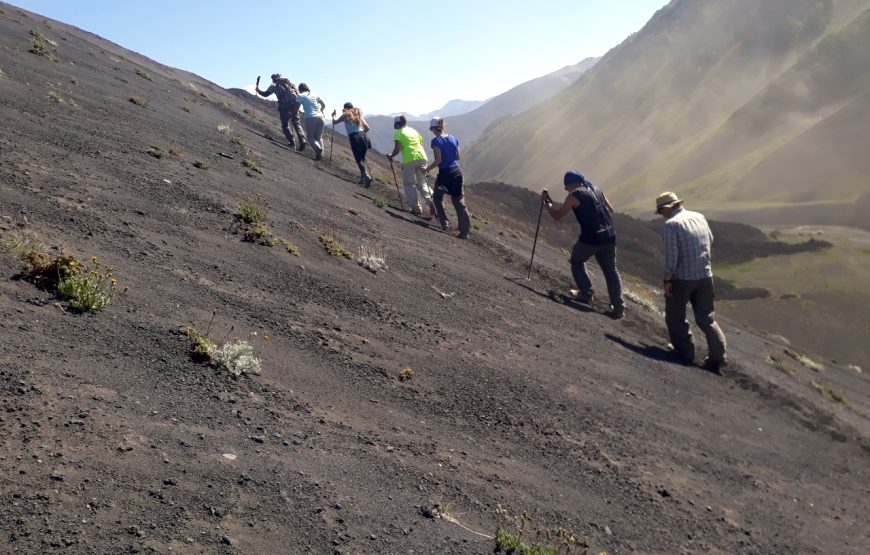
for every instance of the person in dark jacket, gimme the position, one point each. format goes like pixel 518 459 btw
pixel 597 237
pixel 288 107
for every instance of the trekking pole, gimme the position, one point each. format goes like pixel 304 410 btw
pixel 535 244
pixel 332 138
pixel 396 181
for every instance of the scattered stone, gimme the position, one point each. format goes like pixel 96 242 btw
pixel 226 540
pixel 608 531
pixel 229 456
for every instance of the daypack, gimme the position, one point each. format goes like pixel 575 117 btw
pixel 285 91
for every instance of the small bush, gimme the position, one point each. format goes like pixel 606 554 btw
pixel 643 297
pixel 252 165
pixel 237 141
pixel 88 289
pixel 226 105
pixel 406 374
pixel 379 201
pixel 186 109
pixel 156 151
pixel 41 46
pixel 224 129
pixel 143 74
pixel 291 248
pixel 260 234
pixel 175 152
pixel 200 165
pixel 834 394
pixel 780 365
pixel 371 259
pixel 248 111
pixel 250 212
pixel 1 73
pixel 237 358
pixel 21 244
pixel 139 101
pixel 333 247
pixel 805 360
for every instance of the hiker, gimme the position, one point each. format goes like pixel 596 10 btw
pixel 414 162
pixel 688 277
pixel 356 127
pixel 314 120
pixel 445 147
pixel 288 107
pixel 597 238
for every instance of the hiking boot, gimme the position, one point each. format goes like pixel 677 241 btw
pixel 301 147
pixel 463 236
pixel 318 156
pixel 683 358
pixel 617 313
pixel 369 181
pixel 714 366
pixel 445 226
pixel 585 298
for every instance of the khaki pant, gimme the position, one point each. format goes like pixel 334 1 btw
pixel 700 293
pixel 414 179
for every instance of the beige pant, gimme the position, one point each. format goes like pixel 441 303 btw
pixel 414 179
pixel 700 294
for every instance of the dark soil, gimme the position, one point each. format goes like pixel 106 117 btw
pixel 112 440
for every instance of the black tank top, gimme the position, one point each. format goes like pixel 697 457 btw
pixel 596 222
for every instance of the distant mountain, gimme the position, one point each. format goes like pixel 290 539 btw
pixel 468 126
pixel 757 111
pixel 453 108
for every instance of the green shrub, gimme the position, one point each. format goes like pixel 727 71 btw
pixel 252 165
pixel 89 289
pixel 379 201
pixel 333 247
pixel 251 212
pixel 143 74
pixel 139 101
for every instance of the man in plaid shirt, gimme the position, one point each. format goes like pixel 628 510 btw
pixel 689 278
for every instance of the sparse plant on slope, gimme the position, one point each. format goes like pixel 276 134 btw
pixel 805 360
pixel 56 96
pixel 139 101
pixel 143 74
pixel 260 234
pixel 548 541
pixel 175 152
pixel 89 289
pixel 252 165
pixel 235 357
pixel 251 212
pixel 41 46
pixel 371 259
pixel 21 244
pixel 1 73
pixel 829 391
pixel 780 365
pixel 334 248
pixel 379 201
pixel 642 296
pixel 200 165
pixel 156 151
pixel 224 129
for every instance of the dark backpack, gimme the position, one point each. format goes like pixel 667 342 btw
pixel 285 91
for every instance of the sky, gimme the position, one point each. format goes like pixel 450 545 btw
pixel 386 56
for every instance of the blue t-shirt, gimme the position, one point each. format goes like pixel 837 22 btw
pixel 449 146
pixel 310 104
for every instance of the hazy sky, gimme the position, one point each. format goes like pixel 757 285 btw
pixel 383 55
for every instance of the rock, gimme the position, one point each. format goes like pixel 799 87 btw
pixel 226 540
pixel 607 531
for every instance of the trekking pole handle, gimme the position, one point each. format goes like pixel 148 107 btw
pixel 258 80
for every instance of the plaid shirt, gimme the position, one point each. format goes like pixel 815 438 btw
pixel 687 240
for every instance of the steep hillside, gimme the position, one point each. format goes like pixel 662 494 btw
pixel 415 409
pixel 739 106
pixel 468 126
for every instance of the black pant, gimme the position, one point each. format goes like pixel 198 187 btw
pixel 450 182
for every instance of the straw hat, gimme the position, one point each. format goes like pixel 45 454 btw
pixel 667 200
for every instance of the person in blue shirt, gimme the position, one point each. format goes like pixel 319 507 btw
pixel 449 181
pixel 314 120
pixel 356 127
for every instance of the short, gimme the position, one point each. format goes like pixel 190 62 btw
pixel 450 181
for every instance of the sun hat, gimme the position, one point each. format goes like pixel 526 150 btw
pixel 666 200
pixel 436 123
pixel 572 177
